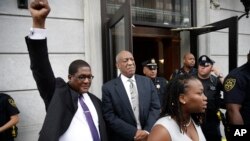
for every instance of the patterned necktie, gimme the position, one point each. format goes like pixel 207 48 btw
pixel 89 118
pixel 134 101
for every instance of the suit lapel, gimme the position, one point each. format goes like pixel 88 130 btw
pixel 74 96
pixel 120 90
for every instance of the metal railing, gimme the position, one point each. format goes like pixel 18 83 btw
pixel 141 14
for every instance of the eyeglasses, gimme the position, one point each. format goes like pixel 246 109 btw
pixel 83 77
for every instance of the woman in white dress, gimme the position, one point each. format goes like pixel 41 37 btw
pixel 182 112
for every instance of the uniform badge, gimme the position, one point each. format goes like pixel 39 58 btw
pixel 153 61
pixel 158 86
pixel 204 58
pixel 12 102
pixel 229 84
pixel 213 88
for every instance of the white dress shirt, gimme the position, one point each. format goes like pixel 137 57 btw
pixel 126 84
pixel 37 33
pixel 79 129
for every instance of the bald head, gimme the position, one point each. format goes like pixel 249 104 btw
pixel 125 63
pixel 187 54
pixel 121 54
pixel 188 60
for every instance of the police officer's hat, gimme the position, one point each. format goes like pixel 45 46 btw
pixel 204 60
pixel 151 64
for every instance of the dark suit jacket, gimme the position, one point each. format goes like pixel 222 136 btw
pixel 60 100
pixel 118 112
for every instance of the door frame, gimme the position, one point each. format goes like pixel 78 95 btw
pixel 123 12
pixel 230 23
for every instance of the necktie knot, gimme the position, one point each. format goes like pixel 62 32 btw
pixel 130 80
pixel 132 87
pixel 81 96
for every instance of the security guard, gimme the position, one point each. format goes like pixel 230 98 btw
pixel 188 66
pixel 150 70
pixel 237 95
pixel 212 89
pixel 8 118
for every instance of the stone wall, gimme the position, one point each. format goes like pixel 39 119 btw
pixel 73 31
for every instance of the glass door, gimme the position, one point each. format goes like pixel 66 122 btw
pixel 119 35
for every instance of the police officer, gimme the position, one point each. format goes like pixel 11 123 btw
pixel 150 70
pixel 237 95
pixel 8 118
pixel 212 89
pixel 188 66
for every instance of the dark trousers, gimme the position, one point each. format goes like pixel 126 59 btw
pixel 211 130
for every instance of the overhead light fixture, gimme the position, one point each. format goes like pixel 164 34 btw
pixel 246 4
pixel 22 4
pixel 185 21
pixel 214 4
pixel 166 23
pixel 161 61
pixel 191 28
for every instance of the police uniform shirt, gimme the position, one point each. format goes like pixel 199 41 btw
pixel 160 85
pixel 237 90
pixel 212 88
pixel 181 71
pixel 7 109
pixel 210 127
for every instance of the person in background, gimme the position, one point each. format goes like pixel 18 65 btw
pixel 237 97
pixel 188 66
pixel 211 80
pixel 182 114
pixel 130 102
pixel 9 117
pixel 150 70
pixel 72 112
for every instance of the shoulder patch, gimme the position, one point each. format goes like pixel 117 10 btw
pixel 12 102
pixel 229 84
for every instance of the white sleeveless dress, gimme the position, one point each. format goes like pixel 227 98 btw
pixel 174 130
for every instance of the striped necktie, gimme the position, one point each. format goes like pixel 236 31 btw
pixel 134 101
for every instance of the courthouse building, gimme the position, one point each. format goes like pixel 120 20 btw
pixel 95 30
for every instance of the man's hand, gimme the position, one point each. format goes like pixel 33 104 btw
pixel 216 70
pixel 141 135
pixel 39 10
pixel 14 119
pixel 217 73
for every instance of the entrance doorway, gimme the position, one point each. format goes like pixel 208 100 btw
pixel 157 43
